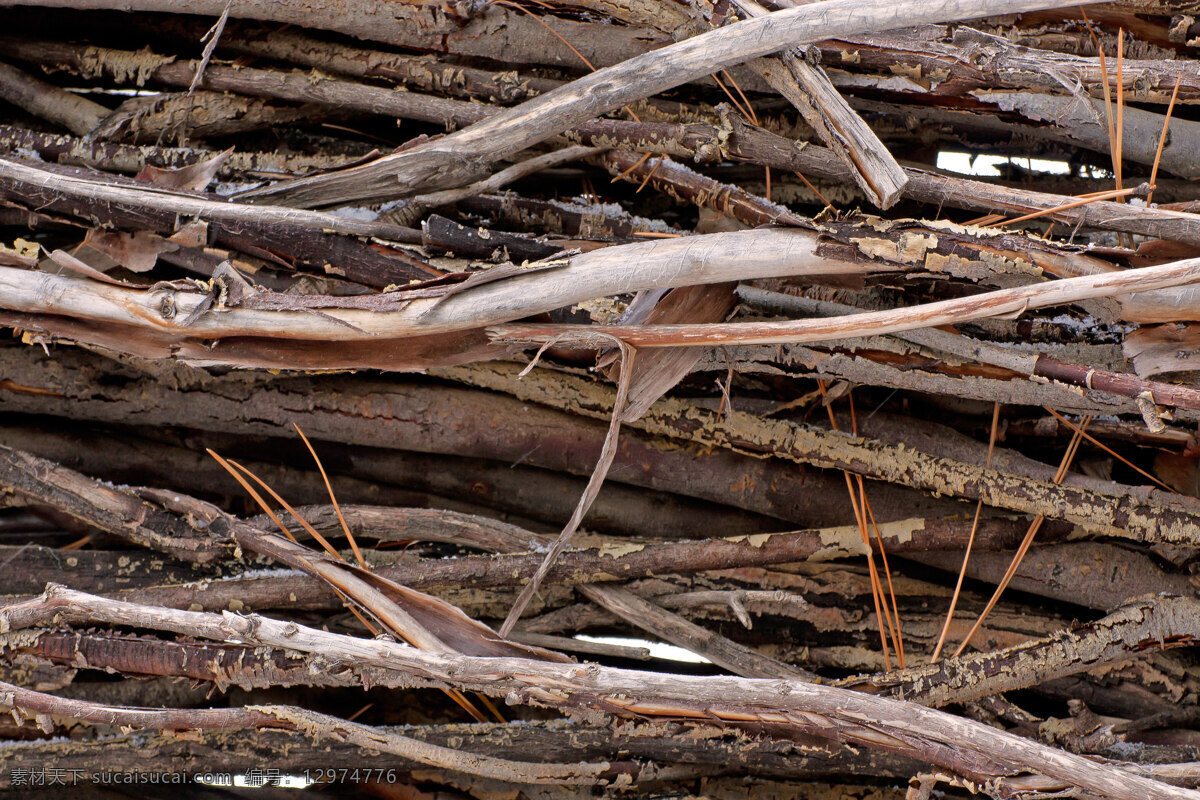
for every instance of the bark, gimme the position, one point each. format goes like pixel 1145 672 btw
pixel 454 160
pixel 1124 512
pixel 430 419
pixel 970 748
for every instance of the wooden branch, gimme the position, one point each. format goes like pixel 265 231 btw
pixel 265 83
pixel 423 73
pixel 417 206
pixel 945 312
pixel 427 418
pixel 459 158
pixel 109 508
pixel 77 114
pixel 737 658
pixel 405 480
pixel 974 750
pixel 116 157
pixel 309 237
pixel 749 143
pixel 973 59
pixel 1067 573
pixel 807 87
pixel 1028 364
pixel 681 183
pixel 39 706
pixel 25 174
pixel 498 33
pixel 1165 621
pixel 659 746
pixel 1121 511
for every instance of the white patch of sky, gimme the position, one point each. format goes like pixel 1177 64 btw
pixel 657 649
pixel 986 166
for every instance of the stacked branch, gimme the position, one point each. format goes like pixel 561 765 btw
pixel 370 365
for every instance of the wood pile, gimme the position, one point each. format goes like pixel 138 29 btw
pixel 385 383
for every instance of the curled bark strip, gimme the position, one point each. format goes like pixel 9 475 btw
pixel 515 293
pixel 945 312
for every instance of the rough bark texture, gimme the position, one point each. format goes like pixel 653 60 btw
pixel 390 392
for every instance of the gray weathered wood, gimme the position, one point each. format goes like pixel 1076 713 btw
pixel 463 157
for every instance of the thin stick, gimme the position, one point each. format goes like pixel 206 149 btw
pixel 988 304
pixel 607 454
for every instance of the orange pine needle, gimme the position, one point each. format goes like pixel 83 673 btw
pixel 937 651
pixel 813 189
pixel 650 174
pixel 881 609
pixel 1085 200
pixel 1034 526
pixel 876 586
pixel 732 99
pixel 1108 114
pixel 1162 138
pixel 329 548
pixel 359 713
pixel 454 694
pixel 1119 154
pixel 751 117
pixel 267 509
pixel 894 620
pixel 627 172
pixel 894 616
pixel 336 508
pixel 250 490
pixel 986 219
pixel 1106 448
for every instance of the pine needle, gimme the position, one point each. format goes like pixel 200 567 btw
pixel 337 509
pixel 894 622
pixel 813 189
pixel 329 548
pixel 1119 153
pixel 1162 138
pixel 250 490
pixel 962 572
pixel 454 694
pixel 1108 113
pixel 1083 201
pixel 1034 527
pixel 751 117
pixel 1107 449
pixel 650 174
pixel 881 608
